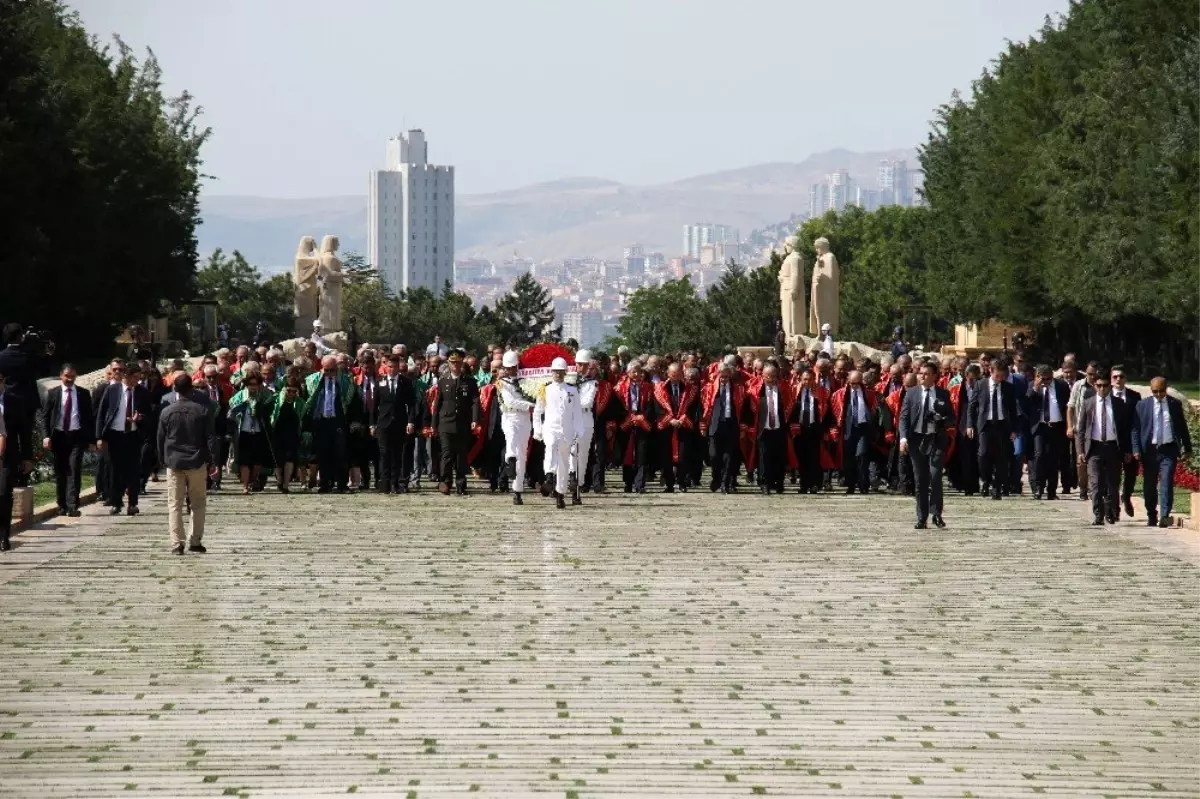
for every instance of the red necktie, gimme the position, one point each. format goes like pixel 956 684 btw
pixel 128 409
pixel 66 420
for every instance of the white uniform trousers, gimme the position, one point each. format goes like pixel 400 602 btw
pixel 517 428
pixel 558 461
pixel 579 460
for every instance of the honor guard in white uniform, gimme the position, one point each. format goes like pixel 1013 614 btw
pixel 588 386
pixel 516 424
pixel 557 419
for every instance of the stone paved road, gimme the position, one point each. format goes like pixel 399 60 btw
pixel 690 645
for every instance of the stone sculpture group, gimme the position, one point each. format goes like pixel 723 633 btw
pixel 825 307
pixel 318 280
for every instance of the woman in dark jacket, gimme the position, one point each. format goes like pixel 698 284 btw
pixel 285 431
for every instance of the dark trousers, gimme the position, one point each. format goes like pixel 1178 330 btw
pixel 125 467
pixel 772 459
pixel 103 475
pixel 453 464
pixel 633 470
pixel 1130 471
pixel 67 448
pixel 329 441
pixel 724 455
pixel 966 456
pixel 1049 445
pixel 1104 478
pixel 1158 479
pixel 1067 472
pixel 808 455
pixel 675 473
pixel 599 457
pixel 6 501
pixel 393 465
pixel 994 452
pixel 927 473
pixel 491 461
pixel 856 457
pixel 697 449
pixel 368 458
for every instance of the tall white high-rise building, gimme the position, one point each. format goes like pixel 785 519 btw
pixel 586 327
pixel 818 199
pixel 895 186
pixel 410 217
pixel 696 236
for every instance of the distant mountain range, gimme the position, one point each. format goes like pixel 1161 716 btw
pixel 572 217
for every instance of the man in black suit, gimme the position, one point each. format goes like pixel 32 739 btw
pixel 330 410
pixel 393 422
pixel 923 438
pixel 17 462
pixel 966 449
pixel 1160 438
pixel 993 423
pixel 812 410
pixel 67 424
pixel 1103 436
pixel 123 409
pixel 1048 425
pixel 455 417
pixel 1129 468
pixel 775 408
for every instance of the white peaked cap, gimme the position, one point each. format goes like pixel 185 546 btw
pixel 826 327
pixel 583 356
pixel 316 323
pixel 511 359
pixel 558 365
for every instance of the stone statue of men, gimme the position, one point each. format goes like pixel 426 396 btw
pixel 791 288
pixel 305 279
pixel 825 307
pixel 330 277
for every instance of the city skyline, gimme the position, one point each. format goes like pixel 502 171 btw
pixel 340 81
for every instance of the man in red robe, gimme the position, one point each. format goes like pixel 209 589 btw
pixel 812 416
pixel 854 430
pixel 674 414
pixel 772 406
pixel 637 395
pixel 721 423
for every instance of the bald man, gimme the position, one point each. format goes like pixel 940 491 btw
pixel 1160 438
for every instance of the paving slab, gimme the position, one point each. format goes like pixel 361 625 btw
pixel 659 645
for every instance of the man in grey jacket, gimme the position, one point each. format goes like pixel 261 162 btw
pixel 184 428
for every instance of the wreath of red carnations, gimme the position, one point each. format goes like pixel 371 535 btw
pixel 534 371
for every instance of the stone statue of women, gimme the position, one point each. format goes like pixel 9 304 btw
pixel 824 305
pixel 304 277
pixel 791 289
pixel 331 277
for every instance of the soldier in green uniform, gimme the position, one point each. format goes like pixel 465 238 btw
pixel 455 419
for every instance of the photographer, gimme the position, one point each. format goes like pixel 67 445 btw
pixel 17 461
pixel 924 439
pixel 25 356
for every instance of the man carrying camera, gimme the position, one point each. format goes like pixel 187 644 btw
pixel 923 438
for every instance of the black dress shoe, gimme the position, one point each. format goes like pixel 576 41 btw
pixel 5 545
pixel 575 500
pixel 850 489
pixel 1165 522
pixel 1037 495
pixel 197 548
pixel 133 510
pixel 938 523
pixel 919 526
pixel 1098 522
pixel 462 491
pixel 1129 508
pixel 559 501
pixel 1110 519
pixel 1152 521
pixel 517 500
pixel 1052 495
pixel 74 514
pixel 115 511
pixel 997 497
pixel 177 549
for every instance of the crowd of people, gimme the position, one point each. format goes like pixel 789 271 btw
pixel 389 419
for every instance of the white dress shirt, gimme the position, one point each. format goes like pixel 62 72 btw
pixel 1162 431
pixel 118 422
pixel 857 400
pixel 808 407
pixel 771 397
pixel 72 424
pixel 1104 427
pixel 1050 400
pixel 993 389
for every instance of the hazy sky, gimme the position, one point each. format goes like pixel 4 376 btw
pixel 302 94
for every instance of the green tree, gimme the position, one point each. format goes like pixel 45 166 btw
pixel 526 313
pixel 245 297
pixel 664 318
pixel 101 180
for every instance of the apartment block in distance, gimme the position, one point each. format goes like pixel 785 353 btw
pixel 410 217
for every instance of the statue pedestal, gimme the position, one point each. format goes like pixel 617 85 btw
pixel 293 348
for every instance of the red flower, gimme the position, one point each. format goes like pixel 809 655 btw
pixel 1185 477
pixel 540 356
